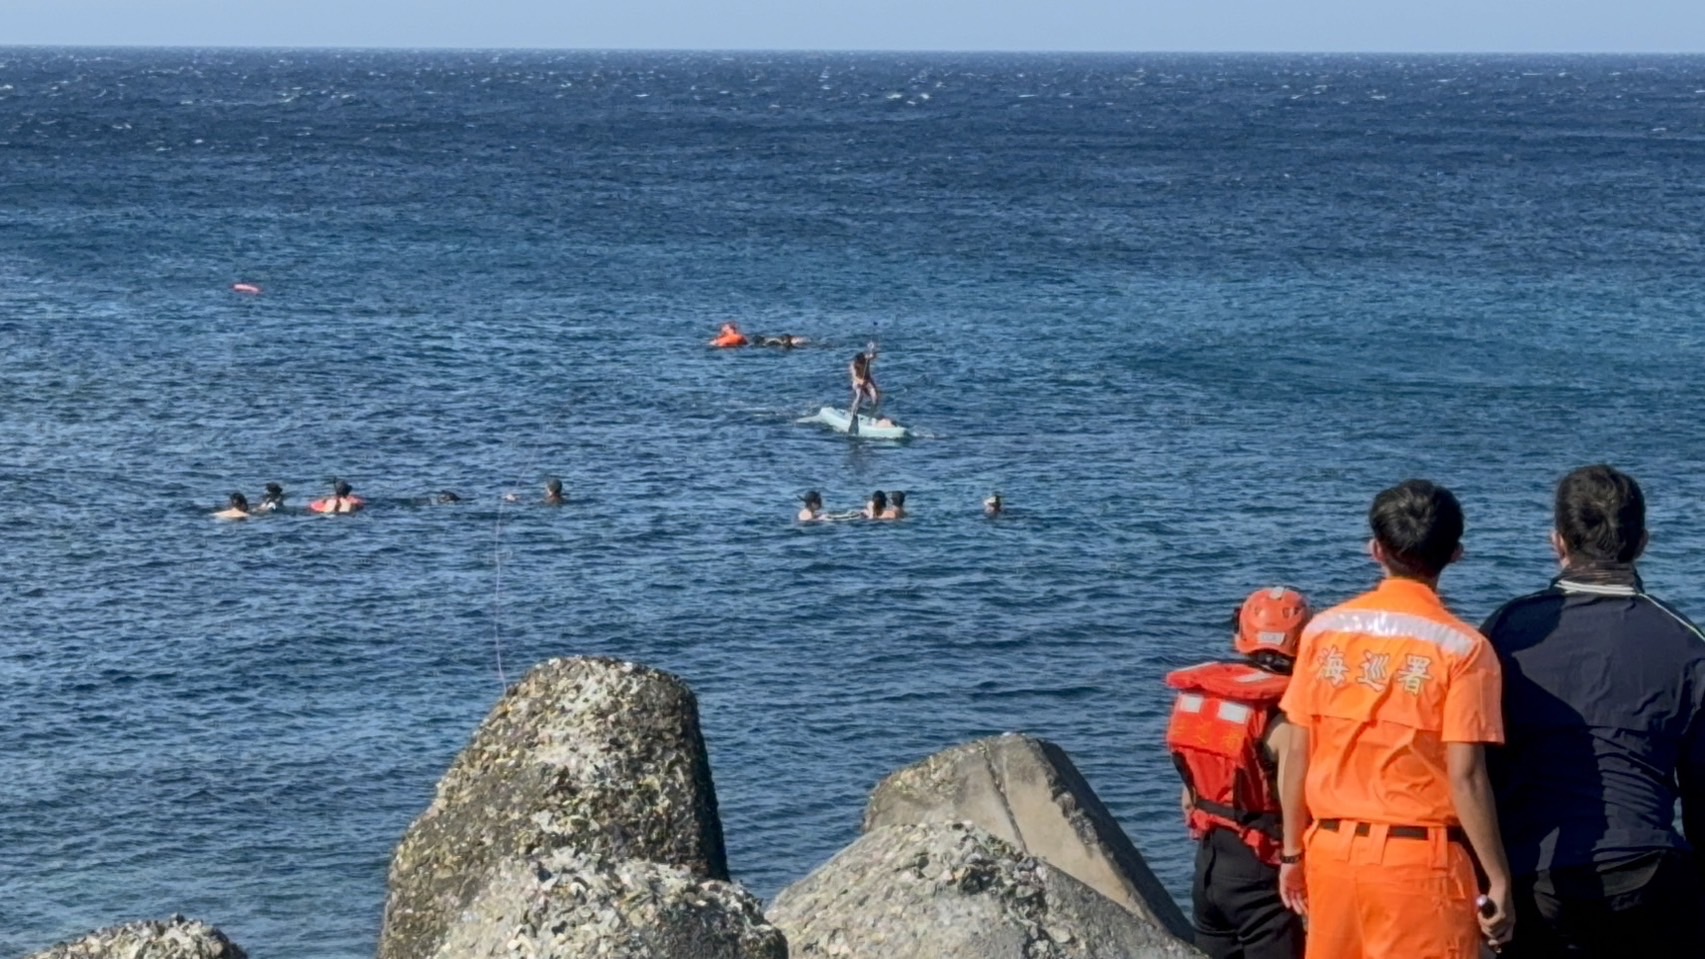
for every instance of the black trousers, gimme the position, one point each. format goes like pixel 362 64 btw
pixel 1650 908
pixel 1236 897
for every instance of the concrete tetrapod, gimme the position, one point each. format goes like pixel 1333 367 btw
pixel 593 755
pixel 953 891
pixel 175 938
pixel 568 906
pixel 1027 792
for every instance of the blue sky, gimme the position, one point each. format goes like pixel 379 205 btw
pixel 1139 25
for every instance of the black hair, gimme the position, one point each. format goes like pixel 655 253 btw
pixel 1420 525
pixel 341 488
pixel 812 498
pixel 1273 662
pixel 240 501
pixel 879 500
pixel 448 496
pixel 553 485
pixel 1601 515
pixel 897 497
pixel 273 489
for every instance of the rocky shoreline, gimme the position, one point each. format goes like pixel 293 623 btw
pixel 581 821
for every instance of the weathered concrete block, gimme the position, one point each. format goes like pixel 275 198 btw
pixel 593 755
pixel 953 891
pixel 569 906
pixel 176 938
pixel 1027 792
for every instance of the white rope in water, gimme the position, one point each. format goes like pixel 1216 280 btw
pixel 497 555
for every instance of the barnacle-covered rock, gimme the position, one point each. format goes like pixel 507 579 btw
pixel 1028 792
pixel 175 938
pixel 953 891
pixel 593 755
pixel 570 906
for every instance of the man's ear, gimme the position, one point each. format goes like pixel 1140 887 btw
pixel 1561 550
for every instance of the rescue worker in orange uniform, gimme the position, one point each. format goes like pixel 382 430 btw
pixel 1225 730
pixel 1392 704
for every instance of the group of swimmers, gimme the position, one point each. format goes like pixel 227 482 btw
pixel 344 500
pixel 881 506
pixel 732 336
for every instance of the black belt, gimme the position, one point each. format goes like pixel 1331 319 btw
pixel 1453 833
pixel 1266 822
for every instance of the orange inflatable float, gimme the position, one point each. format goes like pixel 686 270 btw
pixel 729 337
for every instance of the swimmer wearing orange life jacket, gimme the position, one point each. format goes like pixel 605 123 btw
pixel 342 500
pixel 729 337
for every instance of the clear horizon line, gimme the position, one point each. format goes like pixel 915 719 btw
pixel 451 48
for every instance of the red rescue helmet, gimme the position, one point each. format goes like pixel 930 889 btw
pixel 1271 621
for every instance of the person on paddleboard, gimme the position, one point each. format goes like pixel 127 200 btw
pixel 864 381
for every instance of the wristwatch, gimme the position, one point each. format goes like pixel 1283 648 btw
pixel 1288 859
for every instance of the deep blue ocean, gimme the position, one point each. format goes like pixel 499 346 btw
pixel 1188 313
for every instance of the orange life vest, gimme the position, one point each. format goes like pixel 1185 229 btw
pixel 1218 722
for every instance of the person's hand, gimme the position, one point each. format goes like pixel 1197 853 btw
pixel 1293 889
pixel 1497 916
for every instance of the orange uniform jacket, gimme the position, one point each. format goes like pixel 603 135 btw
pixel 1382 683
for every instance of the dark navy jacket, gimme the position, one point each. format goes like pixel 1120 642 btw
pixel 1604 722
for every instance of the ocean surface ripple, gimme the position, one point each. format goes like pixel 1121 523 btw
pixel 1187 312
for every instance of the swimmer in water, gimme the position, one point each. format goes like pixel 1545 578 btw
pixel 446 497
pixel 812 511
pixel 238 508
pixel 877 508
pixel 786 341
pixel 553 492
pixel 730 335
pixel 342 500
pixel 273 501
pixel 992 506
pixel 896 505
pixel 864 381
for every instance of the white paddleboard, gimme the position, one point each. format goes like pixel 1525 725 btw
pixel 838 420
